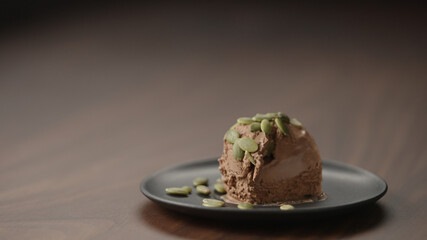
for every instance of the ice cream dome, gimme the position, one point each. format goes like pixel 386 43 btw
pixel 270 158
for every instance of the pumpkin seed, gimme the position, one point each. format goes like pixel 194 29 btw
pixel 176 191
pixel 271 115
pixel 295 122
pixel 212 202
pixel 234 126
pixel 285 207
pixel 200 181
pixel 255 126
pixel 203 190
pixel 245 205
pixel 231 135
pixel 251 159
pixel 265 127
pixel 259 117
pixel 247 144
pixel 244 120
pixel 219 187
pixel 237 151
pixel 282 126
pixel 188 189
pixel 218 180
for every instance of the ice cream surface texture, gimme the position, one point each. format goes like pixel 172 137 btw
pixel 269 159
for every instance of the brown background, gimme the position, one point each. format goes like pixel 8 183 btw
pixel 96 97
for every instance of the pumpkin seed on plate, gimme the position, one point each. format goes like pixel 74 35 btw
pixel 176 191
pixel 245 205
pixel 200 181
pixel 213 201
pixel 188 189
pixel 231 135
pixel 255 126
pixel 238 153
pixel 209 202
pixel 285 207
pixel 203 189
pixel 244 120
pixel 219 187
pixel 295 122
pixel 247 144
pixel 250 158
pixel 265 127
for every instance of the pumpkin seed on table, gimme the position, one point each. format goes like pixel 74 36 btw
pixel 203 189
pixel 244 120
pixel 282 126
pixel 286 207
pixel 245 205
pixel 247 144
pixel 200 181
pixel 238 153
pixel 209 202
pixel 188 189
pixel 295 122
pixel 255 126
pixel 250 158
pixel 219 187
pixel 265 127
pixel 176 191
pixel 231 135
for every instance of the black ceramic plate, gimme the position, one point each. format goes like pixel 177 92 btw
pixel 347 188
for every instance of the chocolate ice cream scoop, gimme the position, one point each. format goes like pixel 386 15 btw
pixel 284 166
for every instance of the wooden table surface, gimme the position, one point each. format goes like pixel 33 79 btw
pixel 93 99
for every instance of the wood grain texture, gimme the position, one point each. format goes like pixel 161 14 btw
pixel 94 101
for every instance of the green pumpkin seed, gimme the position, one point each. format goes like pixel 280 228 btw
pixel 231 135
pixel 295 122
pixel 251 159
pixel 176 191
pixel 244 120
pixel 203 190
pixel 200 181
pixel 213 202
pixel 286 207
pixel 247 144
pixel 271 115
pixel 238 153
pixel 265 127
pixel 219 187
pixel 259 117
pixel 282 126
pixel 188 189
pixel 245 205
pixel 284 117
pixel 234 126
pixel 211 205
pixel 255 126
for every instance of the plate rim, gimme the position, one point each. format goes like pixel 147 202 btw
pixel 191 207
